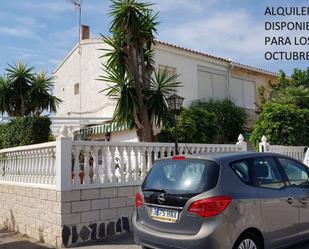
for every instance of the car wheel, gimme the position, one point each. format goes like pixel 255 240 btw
pixel 248 241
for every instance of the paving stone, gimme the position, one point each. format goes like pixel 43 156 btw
pixel 102 230
pixel 108 192
pixel 125 191
pixel 118 226
pixel 110 230
pixel 79 206
pixel 84 233
pixel 66 232
pixel 99 204
pixel 108 214
pixel 90 216
pixel 74 234
pixel 126 224
pixel 90 194
pixel 117 202
pixel 93 231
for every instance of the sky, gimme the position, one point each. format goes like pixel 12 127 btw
pixel 41 32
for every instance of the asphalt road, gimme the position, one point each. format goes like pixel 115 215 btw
pixel 13 241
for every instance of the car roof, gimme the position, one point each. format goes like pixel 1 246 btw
pixel 228 157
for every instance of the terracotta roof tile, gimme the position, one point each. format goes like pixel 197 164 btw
pixel 193 51
pixel 217 58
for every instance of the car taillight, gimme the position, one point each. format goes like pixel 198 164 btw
pixel 177 157
pixel 138 200
pixel 211 206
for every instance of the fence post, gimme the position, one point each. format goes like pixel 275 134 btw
pixel 306 160
pixel 64 161
pixel 241 141
pixel 264 146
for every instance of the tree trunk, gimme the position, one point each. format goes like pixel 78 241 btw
pixel 147 132
pixel 144 134
pixel 134 61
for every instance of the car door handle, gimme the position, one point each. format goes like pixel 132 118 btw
pixel 290 200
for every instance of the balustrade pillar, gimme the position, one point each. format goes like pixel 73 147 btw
pixel 63 164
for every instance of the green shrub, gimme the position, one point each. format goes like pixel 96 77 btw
pixel 231 118
pixel 195 125
pixel 282 125
pixel 25 131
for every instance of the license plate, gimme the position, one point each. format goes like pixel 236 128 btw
pixel 164 215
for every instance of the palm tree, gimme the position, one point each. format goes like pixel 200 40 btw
pixel 122 90
pixel 6 94
pixel 23 92
pixel 40 94
pixel 161 86
pixel 130 66
pixel 20 77
pixel 295 95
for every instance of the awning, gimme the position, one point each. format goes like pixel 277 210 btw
pixel 103 129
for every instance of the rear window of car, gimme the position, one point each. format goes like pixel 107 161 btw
pixel 188 176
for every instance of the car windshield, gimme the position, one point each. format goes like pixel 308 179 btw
pixel 188 176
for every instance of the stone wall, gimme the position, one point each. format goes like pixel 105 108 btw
pixel 63 219
pixel 31 211
pixel 91 215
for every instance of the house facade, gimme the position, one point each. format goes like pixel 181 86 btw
pixel 202 76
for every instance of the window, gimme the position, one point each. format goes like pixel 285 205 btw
pixel 183 176
pixel 242 170
pixel 171 71
pixel 212 83
pixel 76 89
pixel 267 174
pixel 297 173
pixel 243 93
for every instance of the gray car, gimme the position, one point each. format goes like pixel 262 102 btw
pixel 225 201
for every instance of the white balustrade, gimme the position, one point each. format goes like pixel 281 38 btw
pixel 67 164
pixel 34 164
pixel 296 152
pixel 121 163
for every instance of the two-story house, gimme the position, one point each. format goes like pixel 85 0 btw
pixel 202 76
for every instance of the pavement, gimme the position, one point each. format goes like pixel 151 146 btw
pixel 9 240
pixel 17 241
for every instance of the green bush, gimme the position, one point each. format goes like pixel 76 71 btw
pixel 231 118
pixel 195 125
pixel 282 125
pixel 25 131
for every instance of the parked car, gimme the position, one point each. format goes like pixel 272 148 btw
pixel 225 201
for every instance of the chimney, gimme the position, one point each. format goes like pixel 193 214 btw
pixel 84 32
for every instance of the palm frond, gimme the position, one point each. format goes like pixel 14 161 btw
pixel 5 94
pixel 41 98
pixel 120 87
pixel 295 95
pixel 162 86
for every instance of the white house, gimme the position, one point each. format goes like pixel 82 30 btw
pixel 202 76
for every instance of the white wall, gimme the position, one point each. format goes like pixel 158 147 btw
pixel 95 104
pixel 124 136
pixel 190 66
pixel 186 65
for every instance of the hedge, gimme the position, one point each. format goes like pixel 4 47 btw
pixel 282 125
pixel 25 131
